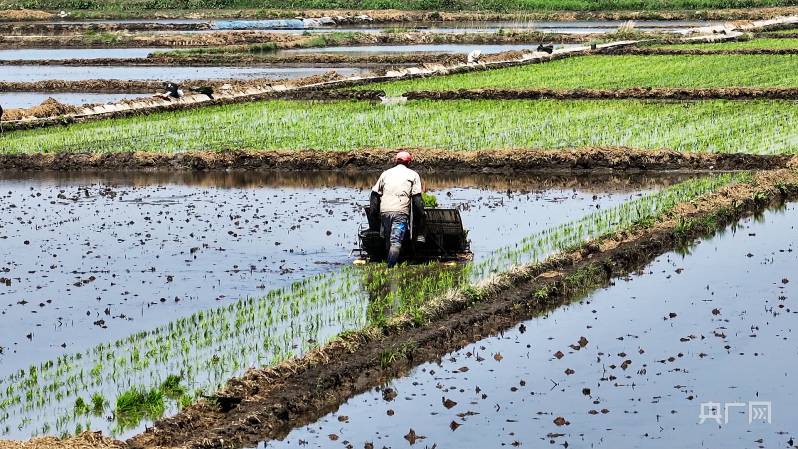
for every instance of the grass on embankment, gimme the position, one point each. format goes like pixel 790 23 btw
pixel 608 72
pixel 723 126
pixel 755 44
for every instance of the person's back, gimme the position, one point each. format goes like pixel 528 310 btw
pixel 394 192
pixel 396 186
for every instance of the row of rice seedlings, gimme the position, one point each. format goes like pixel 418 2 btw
pixel 753 44
pixel 612 72
pixel 210 346
pixel 717 126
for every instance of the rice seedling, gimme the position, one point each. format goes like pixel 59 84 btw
pixel 210 346
pixel 770 43
pixel 136 404
pixel 608 72
pixel 429 199
pixel 717 126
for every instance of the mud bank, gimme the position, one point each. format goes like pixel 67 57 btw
pixel 266 403
pixel 47 108
pixel 723 93
pixel 141 86
pixel 284 40
pixel 304 60
pixel 432 160
pixel 44 28
pixel 309 59
pixel 165 40
pixel 86 440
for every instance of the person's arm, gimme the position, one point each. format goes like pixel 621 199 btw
pixel 375 199
pixel 415 187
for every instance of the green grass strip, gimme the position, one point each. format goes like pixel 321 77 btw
pixel 716 126
pixel 610 72
pixel 754 44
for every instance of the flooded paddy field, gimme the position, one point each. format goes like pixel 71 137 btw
pixel 27 99
pixel 694 350
pixel 29 54
pixel 118 281
pixel 78 73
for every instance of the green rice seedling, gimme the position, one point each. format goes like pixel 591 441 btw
pixel 753 44
pixel 761 127
pixel 429 200
pixel 81 408
pixel 136 404
pixel 612 72
pixel 171 387
pixel 98 403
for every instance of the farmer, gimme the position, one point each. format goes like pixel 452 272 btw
pixel 397 190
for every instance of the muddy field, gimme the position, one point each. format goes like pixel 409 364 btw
pixel 268 403
pixel 598 159
pixel 144 250
pixel 632 362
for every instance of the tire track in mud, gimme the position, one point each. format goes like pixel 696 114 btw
pixel 432 160
pixel 640 93
pixel 267 403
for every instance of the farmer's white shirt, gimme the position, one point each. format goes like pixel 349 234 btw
pixel 397 185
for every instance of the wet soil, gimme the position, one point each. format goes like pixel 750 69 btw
pixel 92 258
pixel 313 58
pixel 267 403
pixel 86 440
pixel 496 161
pixel 288 41
pixel 142 86
pixel 643 93
pixel 234 59
pixel 627 366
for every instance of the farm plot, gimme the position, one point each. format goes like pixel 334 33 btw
pixel 754 44
pixel 130 296
pixel 633 362
pixel 610 72
pixel 759 127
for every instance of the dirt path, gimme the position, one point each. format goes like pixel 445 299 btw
pixel 267 403
pixel 504 161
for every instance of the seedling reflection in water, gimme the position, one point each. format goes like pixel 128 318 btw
pixel 210 346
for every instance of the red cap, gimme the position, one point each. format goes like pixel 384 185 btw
pixel 404 157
